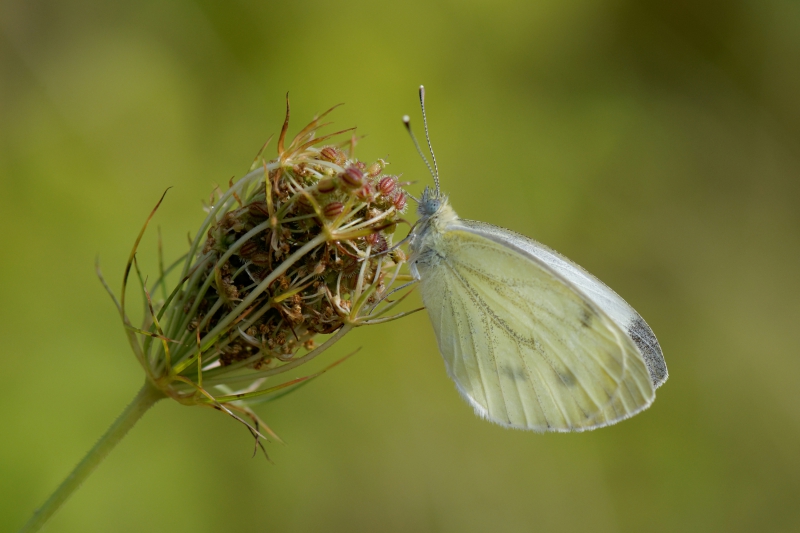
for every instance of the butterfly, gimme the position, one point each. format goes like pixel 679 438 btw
pixel 532 340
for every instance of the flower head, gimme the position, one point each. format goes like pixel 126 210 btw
pixel 289 259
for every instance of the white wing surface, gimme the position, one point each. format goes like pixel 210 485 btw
pixel 609 301
pixel 525 347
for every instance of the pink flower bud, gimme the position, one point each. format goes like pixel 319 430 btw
pixel 332 154
pixel 400 201
pixel 333 209
pixel 365 192
pixel 353 177
pixel 387 185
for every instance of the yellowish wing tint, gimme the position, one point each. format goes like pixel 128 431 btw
pixel 524 347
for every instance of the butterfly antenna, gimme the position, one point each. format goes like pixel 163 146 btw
pixel 428 137
pixel 407 122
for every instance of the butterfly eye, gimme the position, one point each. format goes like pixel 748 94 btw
pixel 428 206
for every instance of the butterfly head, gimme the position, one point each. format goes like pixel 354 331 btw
pixel 434 210
pixel 430 202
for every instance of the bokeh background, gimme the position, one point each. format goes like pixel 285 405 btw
pixel 655 142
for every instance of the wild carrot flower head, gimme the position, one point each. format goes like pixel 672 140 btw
pixel 289 259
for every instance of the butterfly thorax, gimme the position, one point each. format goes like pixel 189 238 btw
pixel 435 215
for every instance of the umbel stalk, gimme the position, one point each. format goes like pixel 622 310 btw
pixel 148 395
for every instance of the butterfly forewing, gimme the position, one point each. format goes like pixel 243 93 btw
pixel 598 292
pixel 524 346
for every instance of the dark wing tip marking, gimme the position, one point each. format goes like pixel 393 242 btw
pixel 647 343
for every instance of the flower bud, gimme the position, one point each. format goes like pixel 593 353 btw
pixel 353 177
pixel 386 185
pixel 365 192
pixel 400 201
pixel 304 200
pixel 374 169
pixel 377 241
pixel 333 209
pixel 326 186
pixel 332 154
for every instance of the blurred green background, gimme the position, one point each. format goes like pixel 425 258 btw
pixel 655 142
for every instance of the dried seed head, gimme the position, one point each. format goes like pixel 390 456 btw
pixel 298 272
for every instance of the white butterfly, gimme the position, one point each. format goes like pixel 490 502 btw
pixel 531 339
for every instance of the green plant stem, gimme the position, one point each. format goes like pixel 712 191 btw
pixel 148 395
